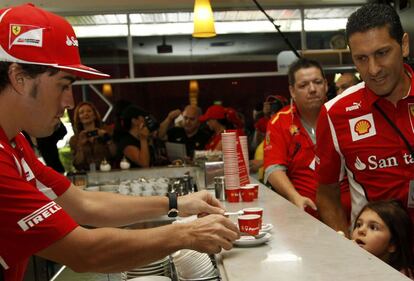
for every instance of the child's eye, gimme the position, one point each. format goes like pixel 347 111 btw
pixel 373 227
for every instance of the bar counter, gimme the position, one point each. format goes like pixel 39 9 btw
pixel 301 248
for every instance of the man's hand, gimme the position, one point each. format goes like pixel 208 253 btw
pixel 199 203
pixel 173 114
pixel 303 202
pixel 212 233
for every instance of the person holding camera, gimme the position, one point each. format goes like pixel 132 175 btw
pixel 91 144
pixel 137 126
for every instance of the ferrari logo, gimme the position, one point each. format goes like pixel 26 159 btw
pixel 16 29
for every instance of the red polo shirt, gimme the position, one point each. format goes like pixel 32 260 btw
pixel 353 136
pixel 30 219
pixel 288 143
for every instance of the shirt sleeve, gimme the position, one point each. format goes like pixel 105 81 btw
pixel 30 221
pixel 328 164
pixel 275 145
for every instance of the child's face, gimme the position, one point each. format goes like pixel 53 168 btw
pixel 372 234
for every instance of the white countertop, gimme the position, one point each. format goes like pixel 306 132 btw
pixel 301 248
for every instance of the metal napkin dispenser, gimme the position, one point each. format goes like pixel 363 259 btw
pixel 212 170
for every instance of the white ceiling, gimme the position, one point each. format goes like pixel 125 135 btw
pixel 75 7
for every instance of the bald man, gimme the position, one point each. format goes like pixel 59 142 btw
pixel 194 137
pixel 345 81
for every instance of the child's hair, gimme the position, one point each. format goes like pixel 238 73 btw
pixel 399 223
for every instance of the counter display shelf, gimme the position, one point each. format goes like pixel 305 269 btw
pixel 301 248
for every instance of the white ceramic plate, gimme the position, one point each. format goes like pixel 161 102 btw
pixel 151 278
pixel 250 241
pixel 266 227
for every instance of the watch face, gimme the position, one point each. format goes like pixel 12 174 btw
pixel 172 213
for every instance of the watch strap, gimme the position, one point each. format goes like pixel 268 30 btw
pixel 172 204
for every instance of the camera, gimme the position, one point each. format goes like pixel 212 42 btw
pixel 151 123
pixel 93 133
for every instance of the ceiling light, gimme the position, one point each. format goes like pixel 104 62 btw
pixel 203 19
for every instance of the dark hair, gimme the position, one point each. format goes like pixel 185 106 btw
pixel 31 70
pixel 302 63
pixel 400 225
pixel 77 125
pixel 372 16
pixel 132 111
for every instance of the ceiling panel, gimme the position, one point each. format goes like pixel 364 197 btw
pixel 104 6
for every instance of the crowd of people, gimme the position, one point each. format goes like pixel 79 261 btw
pixel 347 161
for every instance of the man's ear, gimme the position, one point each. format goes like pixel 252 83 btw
pixel 16 77
pixel 405 45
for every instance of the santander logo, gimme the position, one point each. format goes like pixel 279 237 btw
pixel 359 165
pixel 71 41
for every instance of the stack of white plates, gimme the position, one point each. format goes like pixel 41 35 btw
pixel 193 265
pixel 160 268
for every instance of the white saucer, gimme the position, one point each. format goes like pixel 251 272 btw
pixel 250 241
pixel 266 227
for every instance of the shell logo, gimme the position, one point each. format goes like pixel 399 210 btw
pixel 362 127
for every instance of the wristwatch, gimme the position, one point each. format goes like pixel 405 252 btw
pixel 173 208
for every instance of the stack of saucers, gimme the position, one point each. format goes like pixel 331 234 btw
pixel 160 268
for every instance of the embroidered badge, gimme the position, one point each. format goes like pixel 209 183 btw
pixel 362 127
pixel 25 35
pixel 293 130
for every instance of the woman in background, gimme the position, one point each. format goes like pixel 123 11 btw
pixel 91 144
pixel 134 138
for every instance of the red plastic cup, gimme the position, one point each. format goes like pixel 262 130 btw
pixel 254 211
pixel 233 195
pixel 247 193
pixel 249 224
pixel 256 189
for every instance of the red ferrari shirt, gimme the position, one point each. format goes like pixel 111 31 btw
pixel 287 143
pixel 353 136
pixel 30 219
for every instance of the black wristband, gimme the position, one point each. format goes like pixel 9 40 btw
pixel 172 204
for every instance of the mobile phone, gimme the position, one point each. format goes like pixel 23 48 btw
pixel 93 133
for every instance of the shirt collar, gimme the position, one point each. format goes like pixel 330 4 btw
pixel 371 97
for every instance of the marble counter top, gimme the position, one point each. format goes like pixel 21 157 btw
pixel 301 248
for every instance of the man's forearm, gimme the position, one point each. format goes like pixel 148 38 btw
pixel 108 209
pixel 114 250
pixel 282 185
pixel 328 200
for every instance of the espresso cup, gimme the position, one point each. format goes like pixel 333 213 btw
pixel 247 193
pixel 233 195
pixel 254 211
pixel 249 224
pixel 255 188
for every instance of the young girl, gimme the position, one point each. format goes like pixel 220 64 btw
pixel 384 229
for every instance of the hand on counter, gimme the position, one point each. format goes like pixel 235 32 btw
pixel 303 202
pixel 199 203
pixel 212 233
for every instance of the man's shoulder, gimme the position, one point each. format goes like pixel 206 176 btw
pixel 281 115
pixel 349 100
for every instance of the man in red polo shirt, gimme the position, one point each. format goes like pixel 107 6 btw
pixel 40 210
pixel 368 132
pixel 289 151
